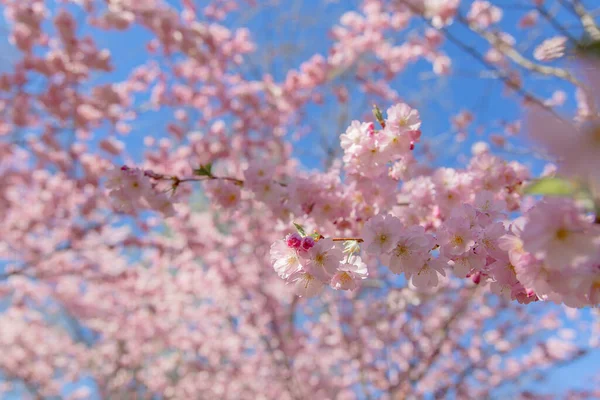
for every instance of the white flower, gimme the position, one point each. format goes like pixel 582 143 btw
pixel 349 273
pixel 323 259
pixel 285 259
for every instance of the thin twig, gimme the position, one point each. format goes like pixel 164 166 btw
pixel 511 53
pixel 476 55
pixel 587 21
pixel 550 18
pixel 347 239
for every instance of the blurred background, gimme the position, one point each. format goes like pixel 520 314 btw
pixel 99 304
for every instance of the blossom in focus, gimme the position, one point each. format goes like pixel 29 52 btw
pixel 284 258
pixel 356 136
pixel 293 240
pixel 401 118
pixel 306 284
pixel 401 130
pixel 457 237
pixel 381 233
pixel 349 274
pixel 323 259
pixel 428 274
pixel 410 251
pixel 307 243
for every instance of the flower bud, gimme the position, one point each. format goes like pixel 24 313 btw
pixel 293 240
pixel 307 243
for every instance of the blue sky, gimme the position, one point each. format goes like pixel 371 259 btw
pixel 438 98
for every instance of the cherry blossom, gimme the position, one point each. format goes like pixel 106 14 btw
pixel 410 251
pixel 323 259
pixel 561 240
pixel 285 259
pixel 349 274
pixel 381 233
pixel 428 274
pixel 268 237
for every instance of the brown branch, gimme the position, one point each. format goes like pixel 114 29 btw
pixel 401 388
pixel 550 18
pixel 479 57
pixel 511 53
pixel 177 180
pixel 346 239
pixel 12 273
pixel 587 21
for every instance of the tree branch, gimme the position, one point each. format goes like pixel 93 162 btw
pixel 587 21
pixel 511 53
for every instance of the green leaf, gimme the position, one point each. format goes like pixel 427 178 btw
pixel 378 115
pixel 300 229
pixel 551 186
pixel 315 235
pixel 204 170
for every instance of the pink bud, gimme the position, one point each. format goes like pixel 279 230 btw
pixel 371 128
pixel 307 243
pixel 293 240
pixel 529 19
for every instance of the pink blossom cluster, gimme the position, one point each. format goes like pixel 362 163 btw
pixel 452 220
pixel 188 306
pixel 403 250
pixel 368 152
pixel 554 250
pixel 311 264
pixel 131 189
pixel 457 220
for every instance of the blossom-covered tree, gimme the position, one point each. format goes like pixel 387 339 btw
pixel 163 237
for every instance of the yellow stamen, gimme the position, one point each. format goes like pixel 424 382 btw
pixel 400 250
pixel 562 234
pixel 458 240
pixel 319 259
pixel 345 277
